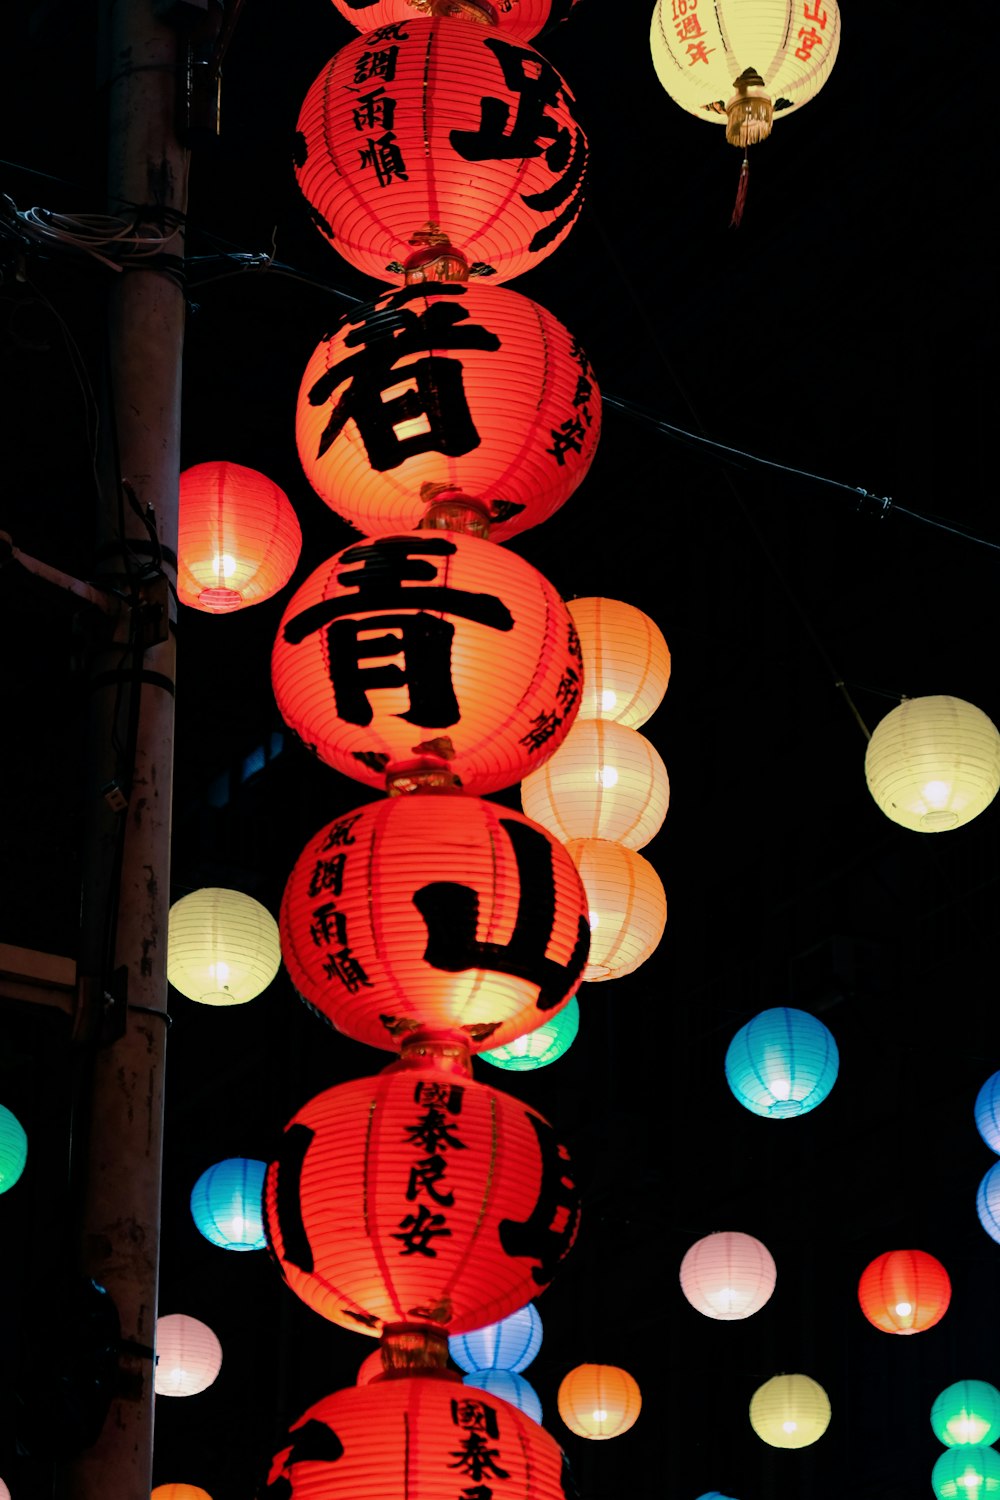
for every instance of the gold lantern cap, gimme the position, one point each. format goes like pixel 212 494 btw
pixel 434 258
pixel 442 1049
pixel 414 1349
pixel 749 112
pixel 480 12
pixel 450 509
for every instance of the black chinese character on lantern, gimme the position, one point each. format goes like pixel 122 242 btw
pixel 475 1457
pixel 547 1234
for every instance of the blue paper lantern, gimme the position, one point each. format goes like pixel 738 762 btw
pixel 969 1473
pixel 13 1148
pixel 714 1495
pixel 227 1203
pixel 509 1387
pixel 988 1112
pixel 988 1202
pixel 509 1345
pixel 782 1063
pixel 538 1048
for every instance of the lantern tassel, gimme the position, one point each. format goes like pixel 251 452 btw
pixel 741 193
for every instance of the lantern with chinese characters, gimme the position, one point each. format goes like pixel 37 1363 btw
pixel 933 763
pixel 509 1386
pixel 510 1344
pixel 967 1414
pixel 904 1291
pixel 427 132
pixel 598 1401
pixel 238 538
pixel 538 1048
pixel 188 1356
pixel 440 392
pixel 782 1063
pixel 728 1275
pixel 626 903
pixel 226 1203
pixel 966 1474
pixel 433 652
pixel 526 19
pixel 418 1197
pixel 418 1435
pixel 790 1411
pixel 223 947
pixel 434 911
pixel 626 661
pixel 604 782
pixel 13 1148
pixel 987 1112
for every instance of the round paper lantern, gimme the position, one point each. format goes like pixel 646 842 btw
pixel 740 62
pixel 988 1202
pixel 418 1197
pixel 966 1474
pixel 933 763
pixel 179 1492
pixel 728 1275
pixel 967 1413
pixel 496 168
pixel 509 1387
pixel 438 911
pixel 361 1442
pixel 526 19
pixel 536 1049
pixel 627 906
pixel 188 1356
pixel 714 1495
pixel 4 1491
pixel 13 1148
pixel 604 782
pixel 987 1111
pixel 226 1203
pixel 398 409
pixel 626 661
pixel 782 1063
pixel 790 1411
pixel 598 1401
pixel 904 1291
pixel 510 1344
pixel 223 947
pixel 238 538
pixel 431 650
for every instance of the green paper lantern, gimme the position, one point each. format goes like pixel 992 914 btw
pixel 967 1414
pixel 13 1149
pixel 969 1473
pixel 538 1048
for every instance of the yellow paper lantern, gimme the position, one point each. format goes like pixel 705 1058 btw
pixel 790 1411
pixel 626 661
pixel 188 1356
pixel 933 763
pixel 223 947
pixel 598 1401
pixel 626 902
pixel 604 782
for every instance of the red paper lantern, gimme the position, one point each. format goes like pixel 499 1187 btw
pixel 418 1196
pixel 427 1437
pixel 526 19
pixel 431 650
pixel 238 537
pixel 491 398
pixel 434 911
pixel 429 130
pixel 904 1291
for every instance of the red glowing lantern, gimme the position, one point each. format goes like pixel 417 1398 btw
pixel 430 131
pixel 492 399
pixel 417 1435
pixel 238 538
pixel 418 1197
pixel 904 1291
pixel 434 911
pixel 526 19
pixel 432 652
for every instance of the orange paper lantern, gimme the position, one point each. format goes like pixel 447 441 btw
pixel 627 906
pixel 424 130
pixel 599 1401
pixel 491 398
pixel 626 661
pixel 432 650
pixel 238 538
pixel 434 911
pixel 526 19
pixel 904 1291
pixel 604 782
pixel 421 1197
pixel 180 1492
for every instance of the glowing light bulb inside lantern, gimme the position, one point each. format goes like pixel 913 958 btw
pixel 608 700
pixel 936 793
pixel 903 1309
pixel 219 971
pixel 968 1430
pixel 224 564
pixel 594 919
pixel 599 1415
pixel 789 1426
pixel 606 776
pixel 781 1088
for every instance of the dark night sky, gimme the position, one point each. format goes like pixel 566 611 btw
pixel 844 334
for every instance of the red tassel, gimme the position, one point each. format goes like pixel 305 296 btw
pixel 741 194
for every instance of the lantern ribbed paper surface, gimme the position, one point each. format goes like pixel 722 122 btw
pixel 966 1474
pixel 418 1197
pixel 627 905
pixel 428 648
pixel 226 1203
pixel 988 1202
pixel 599 1401
pixel 782 1063
pixel 371 1367
pixel 967 1412
pixel 238 537
pixel 626 661
pixel 790 1411
pixel 13 1148
pixel 223 947
pixel 987 1112
pixel 430 910
pixel 416 1436
pixel 510 1344
pixel 4 1491
pixel 430 128
pixel 179 1492
pixel 904 1291
pixel 538 1048
pixel 434 389
pixel 604 782
pixel 526 19
pixel 728 1275
pixel 188 1356
pixel 509 1387
pixel 933 764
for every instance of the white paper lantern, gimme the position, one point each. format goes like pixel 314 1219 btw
pixel 627 906
pixel 933 763
pixel 604 782
pixel 728 1275
pixel 188 1356
pixel 626 661
pixel 223 947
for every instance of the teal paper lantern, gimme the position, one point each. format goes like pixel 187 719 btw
pixel 13 1149
pixel 509 1387
pixel 967 1413
pixel 988 1202
pixel 988 1112
pixel 782 1063
pixel 227 1203
pixel 540 1047
pixel 511 1344
pixel 966 1474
